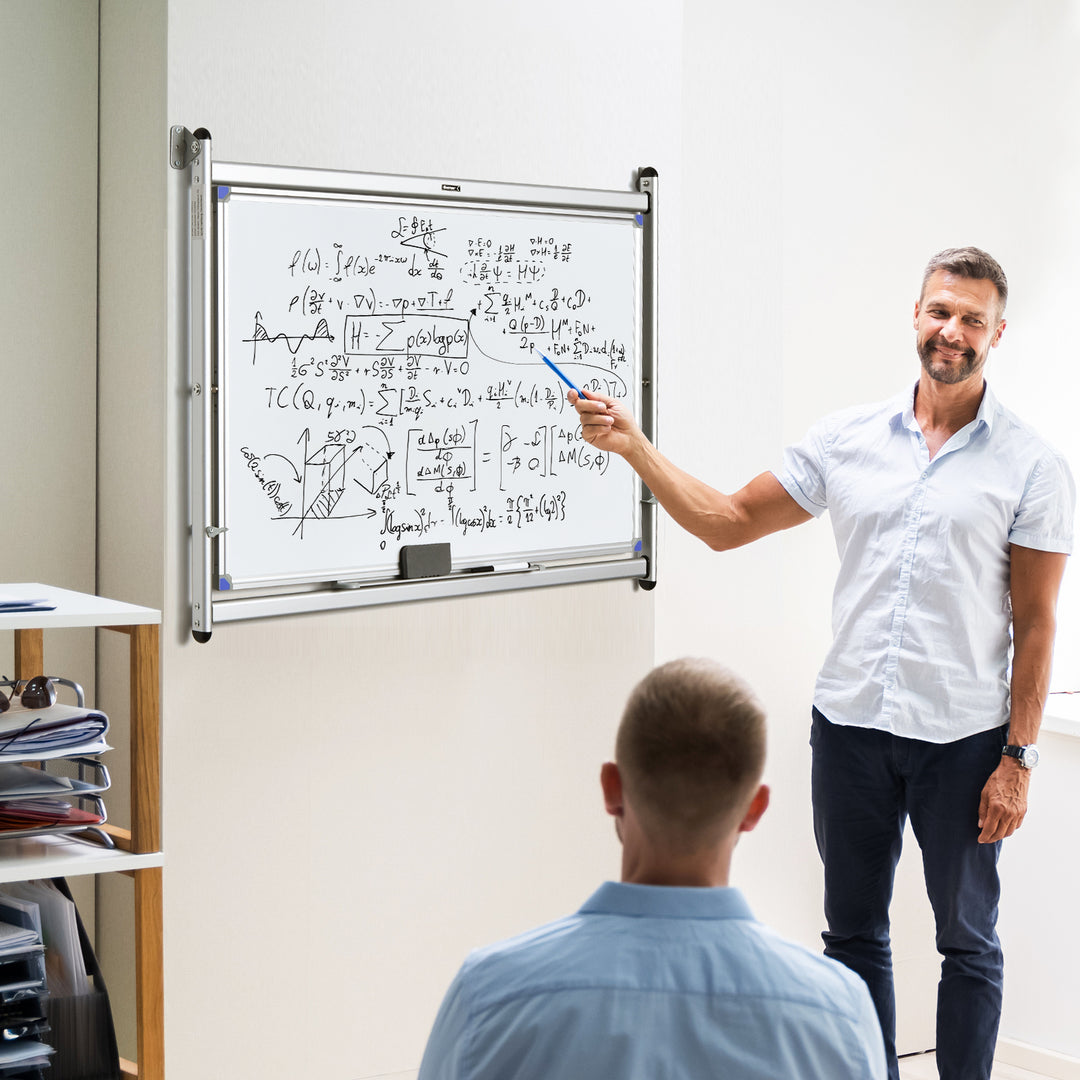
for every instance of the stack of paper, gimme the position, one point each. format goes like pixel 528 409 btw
pixel 58 731
pixel 24 781
pixel 34 801
pixel 19 1057
pixel 31 813
pixel 64 963
pixel 19 603
pixel 22 983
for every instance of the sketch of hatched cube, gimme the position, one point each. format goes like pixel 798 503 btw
pixel 325 478
pixel 371 468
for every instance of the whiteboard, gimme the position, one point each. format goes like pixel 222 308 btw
pixel 379 384
pixel 370 419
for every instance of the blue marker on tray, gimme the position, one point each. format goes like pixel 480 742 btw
pixel 580 393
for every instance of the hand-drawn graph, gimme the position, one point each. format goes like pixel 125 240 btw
pixel 293 343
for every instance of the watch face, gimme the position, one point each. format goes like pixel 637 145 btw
pixel 1029 757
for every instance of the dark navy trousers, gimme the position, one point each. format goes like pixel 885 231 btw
pixel 866 783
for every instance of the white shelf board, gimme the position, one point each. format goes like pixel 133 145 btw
pixel 64 855
pixel 72 609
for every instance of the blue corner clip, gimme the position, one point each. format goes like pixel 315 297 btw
pixel 639 218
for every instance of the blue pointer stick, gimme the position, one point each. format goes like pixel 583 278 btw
pixel 580 393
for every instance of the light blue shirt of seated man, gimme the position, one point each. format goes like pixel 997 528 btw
pixel 665 974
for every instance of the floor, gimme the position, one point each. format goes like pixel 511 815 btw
pixel 922 1067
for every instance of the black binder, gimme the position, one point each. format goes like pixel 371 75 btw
pixel 82 1032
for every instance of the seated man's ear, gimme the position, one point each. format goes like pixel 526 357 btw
pixel 611 785
pixel 758 805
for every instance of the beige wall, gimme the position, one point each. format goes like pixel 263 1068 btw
pixel 48 307
pixel 133 477
pixel 48 319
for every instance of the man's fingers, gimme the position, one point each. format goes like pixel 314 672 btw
pixel 593 403
pixel 997 823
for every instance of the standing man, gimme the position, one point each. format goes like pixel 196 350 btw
pixel 952 521
pixel 664 973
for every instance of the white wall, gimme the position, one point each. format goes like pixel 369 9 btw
pixel 354 800
pixel 830 149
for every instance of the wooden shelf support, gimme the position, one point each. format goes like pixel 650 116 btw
pixel 29 653
pixel 149 974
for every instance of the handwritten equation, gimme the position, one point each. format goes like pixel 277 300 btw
pixel 381 384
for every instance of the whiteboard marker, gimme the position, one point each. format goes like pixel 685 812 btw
pixel 580 393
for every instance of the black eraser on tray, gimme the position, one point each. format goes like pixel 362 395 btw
pixel 425 560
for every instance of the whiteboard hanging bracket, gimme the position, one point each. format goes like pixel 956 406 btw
pixel 193 150
pixel 184 147
pixel 648 184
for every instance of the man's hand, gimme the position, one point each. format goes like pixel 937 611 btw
pixel 606 422
pixel 1004 801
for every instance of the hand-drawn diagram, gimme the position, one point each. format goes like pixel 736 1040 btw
pixel 384 384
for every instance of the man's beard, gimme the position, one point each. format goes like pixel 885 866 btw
pixel 947 373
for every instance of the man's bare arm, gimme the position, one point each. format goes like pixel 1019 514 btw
pixel 1034 580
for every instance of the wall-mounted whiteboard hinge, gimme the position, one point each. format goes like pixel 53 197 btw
pixel 184 148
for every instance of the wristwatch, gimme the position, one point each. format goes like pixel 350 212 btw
pixel 1028 756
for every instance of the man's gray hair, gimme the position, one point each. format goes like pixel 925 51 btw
pixel 970 262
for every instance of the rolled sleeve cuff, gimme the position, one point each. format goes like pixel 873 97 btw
pixel 791 486
pixel 1040 541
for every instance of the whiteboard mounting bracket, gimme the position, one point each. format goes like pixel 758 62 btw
pixel 195 150
pixel 184 147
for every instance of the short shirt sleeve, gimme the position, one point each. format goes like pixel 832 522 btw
pixel 446 1044
pixel 1044 519
pixel 805 466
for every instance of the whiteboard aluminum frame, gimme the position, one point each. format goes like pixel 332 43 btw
pixel 210 605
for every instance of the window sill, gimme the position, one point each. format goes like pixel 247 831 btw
pixel 1062 715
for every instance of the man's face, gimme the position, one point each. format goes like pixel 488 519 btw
pixel 956 326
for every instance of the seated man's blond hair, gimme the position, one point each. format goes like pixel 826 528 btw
pixel 691 751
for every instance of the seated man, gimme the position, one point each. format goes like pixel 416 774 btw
pixel 665 974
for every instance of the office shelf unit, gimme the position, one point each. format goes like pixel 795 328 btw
pixel 138 849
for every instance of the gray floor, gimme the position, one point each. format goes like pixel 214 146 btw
pixel 922 1067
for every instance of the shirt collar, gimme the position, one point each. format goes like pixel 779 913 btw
pixel 667 902
pixel 905 407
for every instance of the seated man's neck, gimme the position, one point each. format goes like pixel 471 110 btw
pixel 700 869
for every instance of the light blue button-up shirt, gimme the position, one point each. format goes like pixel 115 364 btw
pixel 651 982
pixel 921 610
